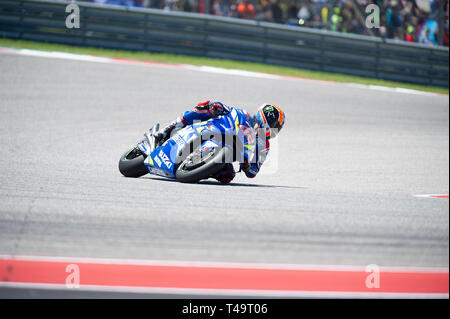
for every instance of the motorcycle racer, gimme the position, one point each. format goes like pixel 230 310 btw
pixel 269 120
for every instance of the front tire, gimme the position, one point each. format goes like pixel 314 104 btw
pixel 194 172
pixel 131 163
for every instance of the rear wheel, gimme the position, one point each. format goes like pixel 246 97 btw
pixel 198 166
pixel 131 164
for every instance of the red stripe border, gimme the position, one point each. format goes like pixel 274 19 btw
pixel 107 274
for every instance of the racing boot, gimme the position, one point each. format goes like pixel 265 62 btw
pixel 163 136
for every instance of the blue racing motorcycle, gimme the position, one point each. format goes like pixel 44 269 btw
pixel 195 152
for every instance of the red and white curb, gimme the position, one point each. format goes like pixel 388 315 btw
pixel 432 195
pixel 208 69
pixel 222 278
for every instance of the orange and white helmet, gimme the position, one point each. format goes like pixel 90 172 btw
pixel 270 118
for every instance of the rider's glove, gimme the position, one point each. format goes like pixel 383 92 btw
pixel 215 108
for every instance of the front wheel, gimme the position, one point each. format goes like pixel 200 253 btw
pixel 197 166
pixel 131 164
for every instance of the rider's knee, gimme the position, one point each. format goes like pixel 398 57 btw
pixel 226 175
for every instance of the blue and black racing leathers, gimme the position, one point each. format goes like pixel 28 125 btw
pixel 210 109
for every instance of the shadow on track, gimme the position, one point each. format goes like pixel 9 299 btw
pixel 216 183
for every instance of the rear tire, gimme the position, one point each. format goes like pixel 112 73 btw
pixel 203 170
pixel 131 164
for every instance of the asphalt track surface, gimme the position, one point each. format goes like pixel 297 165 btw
pixel 338 189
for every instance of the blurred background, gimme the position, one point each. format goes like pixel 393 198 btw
pixel 405 42
pixel 423 21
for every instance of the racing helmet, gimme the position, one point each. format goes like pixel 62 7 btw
pixel 271 119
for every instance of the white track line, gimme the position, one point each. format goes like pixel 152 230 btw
pixel 183 263
pixel 208 69
pixel 224 292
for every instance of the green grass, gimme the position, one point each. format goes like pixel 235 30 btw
pixel 228 64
